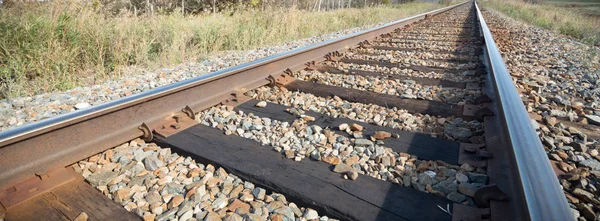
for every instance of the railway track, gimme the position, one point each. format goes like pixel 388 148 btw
pixel 415 120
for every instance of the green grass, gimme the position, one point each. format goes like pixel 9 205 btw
pixel 562 20
pixel 59 45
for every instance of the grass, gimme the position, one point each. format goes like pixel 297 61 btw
pixel 562 20
pixel 58 45
pixel 586 7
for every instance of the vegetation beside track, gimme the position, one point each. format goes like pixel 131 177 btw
pixel 58 45
pixel 564 20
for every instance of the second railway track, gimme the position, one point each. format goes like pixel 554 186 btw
pixel 416 120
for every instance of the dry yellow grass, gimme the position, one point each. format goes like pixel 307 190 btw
pixel 560 19
pixel 58 45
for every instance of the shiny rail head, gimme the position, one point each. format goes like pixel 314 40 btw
pixel 29 130
pixel 544 197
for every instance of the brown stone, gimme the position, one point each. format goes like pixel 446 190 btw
pixel 130 206
pixel 586 211
pixel 356 127
pixel 585 196
pixel 175 202
pixel 571 198
pixel 213 181
pixel 190 193
pixel 550 121
pixel 424 165
pixel 238 204
pixel 149 217
pixel 393 161
pixel 328 133
pixel 247 197
pixel 352 160
pixel 332 160
pixel 290 154
pixel 212 216
pixel 156 208
pixel 123 194
pixel 194 172
pixel 257 205
pixel 94 158
pixel 407 156
pixel 565 166
pixel 387 160
pixel 562 154
pixel 275 217
pixel 103 162
pixel 332 139
pixel 380 135
pixel 268 199
pixel 108 155
pixel 221 173
pixel 236 191
pixel 309 118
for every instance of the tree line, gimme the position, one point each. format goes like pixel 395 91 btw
pixel 213 6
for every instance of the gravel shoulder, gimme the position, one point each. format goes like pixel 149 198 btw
pixel 559 80
pixel 19 111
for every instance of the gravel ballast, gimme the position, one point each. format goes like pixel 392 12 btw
pixel 350 152
pixel 451 128
pixel 407 89
pixel 156 184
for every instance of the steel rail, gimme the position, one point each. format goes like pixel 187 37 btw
pixel 543 196
pixel 60 141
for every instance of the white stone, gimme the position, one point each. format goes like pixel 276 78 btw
pixel 83 105
pixel 311 214
pixel 261 104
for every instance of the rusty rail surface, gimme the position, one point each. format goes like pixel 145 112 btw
pixel 57 142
